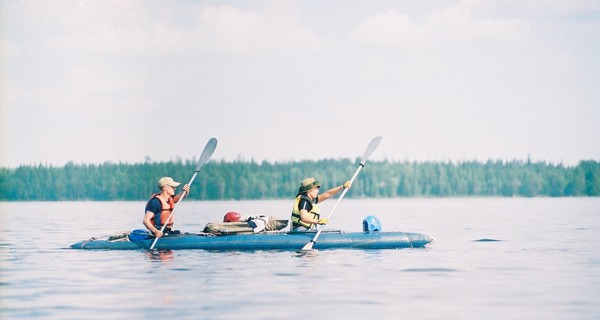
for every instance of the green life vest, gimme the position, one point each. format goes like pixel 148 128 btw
pixel 315 211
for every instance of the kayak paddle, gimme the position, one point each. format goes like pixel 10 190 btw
pixel 370 148
pixel 204 157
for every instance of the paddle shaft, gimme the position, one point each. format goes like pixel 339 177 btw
pixel 183 194
pixel 206 153
pixel 320 228
pixel 370 148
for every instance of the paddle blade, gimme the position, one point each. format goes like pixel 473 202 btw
pixel 308 246
pixel 210 147
pixel 370 148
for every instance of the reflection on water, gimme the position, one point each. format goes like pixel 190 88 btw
pixel 160 255
pixel 429 270
pixel 493 259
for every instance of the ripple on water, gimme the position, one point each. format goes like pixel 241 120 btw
pixel 429 270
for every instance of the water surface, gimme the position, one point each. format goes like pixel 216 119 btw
pixel 494 258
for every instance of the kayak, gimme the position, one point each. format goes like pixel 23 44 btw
pixel 271 240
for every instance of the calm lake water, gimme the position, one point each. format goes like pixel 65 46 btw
pixel 494 258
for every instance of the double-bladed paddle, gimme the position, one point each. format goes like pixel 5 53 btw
pixel 210 147
pixel 370 148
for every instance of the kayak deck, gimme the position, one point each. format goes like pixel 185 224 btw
pixel 268 241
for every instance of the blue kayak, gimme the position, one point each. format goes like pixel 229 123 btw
pixel 265 241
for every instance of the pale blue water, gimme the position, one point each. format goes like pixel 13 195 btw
pixel 545 264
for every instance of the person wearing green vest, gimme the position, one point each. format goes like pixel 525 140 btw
pixel 306 214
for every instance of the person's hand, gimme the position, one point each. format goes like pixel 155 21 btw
pixel 323 221
pixel 347 185
pixel 186 188
pixel 158 234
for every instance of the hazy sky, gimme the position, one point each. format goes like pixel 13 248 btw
pixel 96 81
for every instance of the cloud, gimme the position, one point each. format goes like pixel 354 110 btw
pixel 100 71
pixel 134 28
pixel 389 29
pixel 228 29
pixel 541 8
pixel 99 28
pixel 466 20
pixel 209 28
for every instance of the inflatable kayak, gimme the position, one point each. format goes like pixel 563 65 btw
pixel 275 240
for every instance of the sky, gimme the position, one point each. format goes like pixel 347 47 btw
pixel 449 80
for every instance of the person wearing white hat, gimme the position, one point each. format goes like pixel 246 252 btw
pixel 160 206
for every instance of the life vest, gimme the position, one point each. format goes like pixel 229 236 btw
pixel 315 211
pixel 164 214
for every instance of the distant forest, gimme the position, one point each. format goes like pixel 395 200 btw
pixel 248 180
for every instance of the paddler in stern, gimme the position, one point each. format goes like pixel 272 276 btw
pixel 160 206
pixel 305 212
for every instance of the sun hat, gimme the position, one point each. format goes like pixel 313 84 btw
pixel 167 181
pixel 308 184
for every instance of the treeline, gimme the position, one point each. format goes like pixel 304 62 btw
pixel 241 180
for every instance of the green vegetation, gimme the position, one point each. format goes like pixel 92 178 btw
pixel 249 180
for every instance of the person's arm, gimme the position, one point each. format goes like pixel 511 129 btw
pixel 149 226
pixel 306 217
pixel 331 192
pixel 186 188
pixel 152 208
pixel 304 207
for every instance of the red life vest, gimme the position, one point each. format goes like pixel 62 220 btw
pixel 165 212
